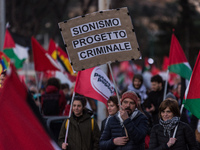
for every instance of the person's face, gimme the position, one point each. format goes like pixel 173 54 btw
pixel 155 86
pixel 166 114
pixel 129 105
pixel 112 108
pixel 77 108
pixel 179 89
pixel 137 83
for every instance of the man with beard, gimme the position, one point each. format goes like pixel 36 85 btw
pixel 127 128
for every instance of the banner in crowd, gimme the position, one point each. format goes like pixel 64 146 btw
pixel 94 83
pixel 100 37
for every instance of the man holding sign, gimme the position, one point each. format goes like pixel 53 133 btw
pixel 127 129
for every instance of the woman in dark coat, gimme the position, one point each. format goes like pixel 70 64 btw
pixel 161 137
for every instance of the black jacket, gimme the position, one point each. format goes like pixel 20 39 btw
pixel 155 98
pixel 184 135
pixel 136 128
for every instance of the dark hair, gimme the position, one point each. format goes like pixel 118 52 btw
pixel 157 78
pixel 113 99
pixel 173 106
pixel 138 76
pixel 81 99
pixel 54 81
pixel 64 86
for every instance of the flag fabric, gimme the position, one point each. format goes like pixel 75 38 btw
pixel 177 61
pixel 4 62
pixel 58 54
pixel 21 126
pixel 42 60
pixel 15 51
pixel 94 83
pixel 191 100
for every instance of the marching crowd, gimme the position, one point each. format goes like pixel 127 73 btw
pixel 142 120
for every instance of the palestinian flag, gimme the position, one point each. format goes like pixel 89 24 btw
pixel 191 100
pixel 14 51
pixel 177 61
pixel 21 124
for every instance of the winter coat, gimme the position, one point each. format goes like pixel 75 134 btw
pixel 81 136
pixel 103 125
pixel 136 128
pixel 62 101
pixel 155 98
pixel 184 135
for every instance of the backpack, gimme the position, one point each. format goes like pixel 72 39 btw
pixel 50 105
pixel 92 123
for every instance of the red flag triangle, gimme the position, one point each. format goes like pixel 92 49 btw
pixel 176 54
pixel 42 60
pixel 8 41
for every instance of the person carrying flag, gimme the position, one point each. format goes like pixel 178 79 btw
pixel 83 133
pixel 163 135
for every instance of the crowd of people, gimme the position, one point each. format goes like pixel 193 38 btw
pixel 141 119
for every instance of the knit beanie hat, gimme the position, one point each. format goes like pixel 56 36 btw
pixel 130 94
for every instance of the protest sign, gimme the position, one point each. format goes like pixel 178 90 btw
pixel 100 37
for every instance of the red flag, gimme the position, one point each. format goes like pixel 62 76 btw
pixel 58 54
pixel 42 60
pixel 20 128
pixel 95 84
pixel 53 48
pixel 8 42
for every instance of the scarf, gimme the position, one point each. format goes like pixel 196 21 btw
pixel 107 120
pixel 131 117
pixel 169 125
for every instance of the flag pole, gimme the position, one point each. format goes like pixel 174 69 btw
pixel 37 85
pixel 114 82
pixel 165 90
pixel 70 111
pixel 175 130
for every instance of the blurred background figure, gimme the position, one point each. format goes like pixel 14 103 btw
pixel 162 133
pixel 155 97
pixel 53 99
pixel 138 87
pixel 113 108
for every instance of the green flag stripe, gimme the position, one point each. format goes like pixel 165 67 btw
pixel 10 53
pixel 181 69
pixel 193 105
